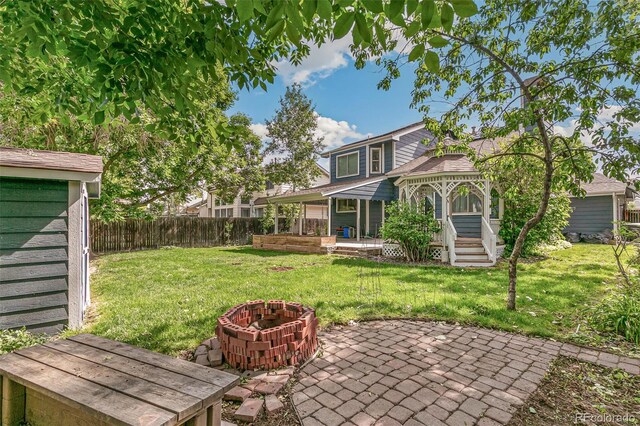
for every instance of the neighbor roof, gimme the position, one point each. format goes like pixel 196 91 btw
pixel 602 184
pixel 50 160
pixel 380 138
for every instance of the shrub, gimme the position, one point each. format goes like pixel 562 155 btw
pixel 12 340
pixel 619 314
pixel 412 227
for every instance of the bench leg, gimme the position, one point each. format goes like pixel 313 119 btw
pixel 214 414
pixel 13 402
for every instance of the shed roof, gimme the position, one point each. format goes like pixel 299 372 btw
pixel 50 160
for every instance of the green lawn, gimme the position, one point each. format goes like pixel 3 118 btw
pixel 168 300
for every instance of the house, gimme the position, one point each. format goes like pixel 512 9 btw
pixel 403 165
pixel 253 205
pixel 44 237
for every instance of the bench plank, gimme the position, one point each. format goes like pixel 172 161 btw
pixel 169 379
pixel 224 381
pixel 149 393
pixel 98 401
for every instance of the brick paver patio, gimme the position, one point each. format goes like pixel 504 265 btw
pixel 426 373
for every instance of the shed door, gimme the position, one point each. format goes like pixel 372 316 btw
pixel 33 254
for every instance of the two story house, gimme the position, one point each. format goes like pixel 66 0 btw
pixel 402 165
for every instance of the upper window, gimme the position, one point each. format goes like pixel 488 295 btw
pixel 376 160
pixel 348 165
pixel 469 203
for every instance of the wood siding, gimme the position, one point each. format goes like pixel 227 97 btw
pixel 33 254
pixel 591 214
pixel 362 165
pixel 382 190
pixel 410 146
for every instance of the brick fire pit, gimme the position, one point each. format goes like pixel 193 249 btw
pixel 259 335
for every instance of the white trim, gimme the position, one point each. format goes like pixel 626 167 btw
pixel 74 254
pixel 357 219
pixel 357 163
pixel 336 191
pixel 366 161
pixel 26 172
pixel 380 160
pixel 329 218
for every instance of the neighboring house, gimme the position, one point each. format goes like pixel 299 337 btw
pixel 253 205
pixel 402 165
pixel 44 237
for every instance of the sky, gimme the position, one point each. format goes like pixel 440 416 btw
pixel 348 103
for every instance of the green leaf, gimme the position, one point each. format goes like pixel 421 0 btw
pixel 324 9
pixel 412 6
pixel 343 25
pixel 438 41
pixel 395 9
pixel 374 6
pixel 98 117
pixel 464 8
pixel 447 17
pixel 412 29
pixel 363 28
pixel 428 10
pixel 293 34
pixel 244 9
pixel 276 31
pixel 309 9
pixel 432 61
pixel 416 52
pixel 275 15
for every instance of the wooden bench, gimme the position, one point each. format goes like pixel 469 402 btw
pixel 89 380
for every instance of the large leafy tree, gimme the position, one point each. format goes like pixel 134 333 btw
pixel 293 142
pixel 102 60
pixel 522 67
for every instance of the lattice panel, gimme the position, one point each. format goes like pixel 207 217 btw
pixel 436 253
pixel 392 250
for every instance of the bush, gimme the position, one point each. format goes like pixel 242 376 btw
pixel 12 340
pixel 411 227
pixel 619 314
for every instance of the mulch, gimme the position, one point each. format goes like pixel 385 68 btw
pixel 572 388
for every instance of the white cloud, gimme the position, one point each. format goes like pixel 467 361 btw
pixel 605 116
pixel 336 133
pixel 260 130
pixel 321 63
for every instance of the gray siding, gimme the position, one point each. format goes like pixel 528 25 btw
pixel 591 215
pixel 375 217
pixel 383 190
pixel 467 226
pixel 388 156
pixel 410 146
pixel 349 219
pixel 33 254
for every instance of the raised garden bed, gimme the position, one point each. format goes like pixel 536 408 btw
pixel 295 243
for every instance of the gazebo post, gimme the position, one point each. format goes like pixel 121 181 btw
pixel 329 217
pixel 275 231
pixel 487 201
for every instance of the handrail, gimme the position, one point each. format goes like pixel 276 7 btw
pixel 489 240
pixel 451 237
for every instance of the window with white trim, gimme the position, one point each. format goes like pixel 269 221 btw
pixel 466 203
pixel 375 160
pixel 348 165
pixel 345 206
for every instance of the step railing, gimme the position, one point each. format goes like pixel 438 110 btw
pixel 451 235
pixel 489 240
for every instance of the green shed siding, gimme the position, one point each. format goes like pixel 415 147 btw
pixel 33 254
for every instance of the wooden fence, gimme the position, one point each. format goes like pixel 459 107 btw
pixel 181 231
pixel 632 215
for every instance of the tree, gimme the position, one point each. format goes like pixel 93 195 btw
pixel 522 67
pixel 293 142
pixel 142 172
pixel 103 60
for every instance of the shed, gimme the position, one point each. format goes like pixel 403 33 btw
pixel 44 241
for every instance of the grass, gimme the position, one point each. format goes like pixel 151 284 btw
pixel 168 300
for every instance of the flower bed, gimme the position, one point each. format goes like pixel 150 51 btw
pixel 259 335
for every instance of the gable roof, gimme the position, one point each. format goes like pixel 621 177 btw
pixel 50 160
pixel 604 185
pixel 380 138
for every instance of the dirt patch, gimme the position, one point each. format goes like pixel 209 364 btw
pixel 286 417
pixel 572 388
pixel 281 268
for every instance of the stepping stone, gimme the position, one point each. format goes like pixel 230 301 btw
pixel 269 388
pixel 201 350
pixel 249 410
pixel 227 424
pixel 237 394
pixel 288 371
pixel 276 379
pixel 273 404
pixel 215 357
pixel 202 360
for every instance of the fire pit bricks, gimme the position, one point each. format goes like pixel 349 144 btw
pixel 259 335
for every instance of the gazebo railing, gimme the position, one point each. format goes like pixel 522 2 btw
pixel 488 240
pixel 450 236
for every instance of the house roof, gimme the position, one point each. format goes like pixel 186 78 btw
pixel 450 163
pixel 380 138
pixel 50 160
pixel 322 191
pixel 602 184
